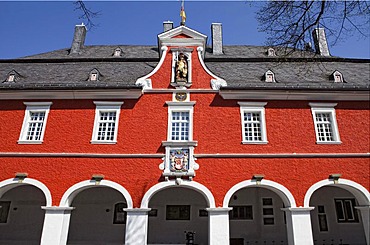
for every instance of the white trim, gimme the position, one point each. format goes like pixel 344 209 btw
pixel 180 107
pixel 9 184
pixel 73 191
pixel 279 94
pixel 34 107
pixel 259 107
pixel 361 193
pixel 216 82
pixel 317 108
pixel 145 82
pixel 175 54
pixel 191 143
pixel 280 190
pixel 71 94
pixel 105 106
pixel 207 194
pixel 196 38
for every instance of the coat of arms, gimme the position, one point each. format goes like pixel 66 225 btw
pixel 179 160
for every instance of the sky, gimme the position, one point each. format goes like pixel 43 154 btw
pixel 32 27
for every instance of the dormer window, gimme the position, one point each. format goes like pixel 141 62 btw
pixel 269 77
pixel 337 77
pixel 271 52
pixel 94 75
pixel 11 78
pixel 117 52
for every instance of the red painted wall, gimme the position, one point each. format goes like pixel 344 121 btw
pixel 217 128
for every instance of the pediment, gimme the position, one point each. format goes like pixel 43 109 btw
pixel 182 36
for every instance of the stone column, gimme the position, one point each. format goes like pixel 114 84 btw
pixel 218 219
pixel 365 216
pixel 56 225
pixel 299 225
pixel 137 226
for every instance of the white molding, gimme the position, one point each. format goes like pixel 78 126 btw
pixel 105 106
pixel 188 55
pixel 199 155
pixel 216 82
pixel 180 107
pixel 279 94
pixel 145 82
pixel 207 194
pixel 254 107
pixel 71 94
pixel 196 38
pixel 8 184
pixel 73 191
pixel 280 190
pixel 34 107
pixel 361 193
pixel 325 108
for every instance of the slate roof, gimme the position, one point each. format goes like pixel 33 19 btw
pixel 241 66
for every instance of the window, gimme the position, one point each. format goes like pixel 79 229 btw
pixel 106 122
pixel 117 52
pixel 268 211
pixel 323 223
pixel 4 211
pixel 269 77
pixel 119 213
pixel 345 209
pixel 178 212
pixel 94 75
pixel 241 212
pixel 34 123
pixel 180 124
pixel 253 122
pixel 325 123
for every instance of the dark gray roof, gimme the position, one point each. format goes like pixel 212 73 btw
pixel 241 66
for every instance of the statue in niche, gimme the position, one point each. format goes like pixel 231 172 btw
pixel 181 68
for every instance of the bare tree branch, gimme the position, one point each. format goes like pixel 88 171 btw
pixel 86 14
pixel 290 23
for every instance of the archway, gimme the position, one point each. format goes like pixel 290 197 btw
pixel 21 216
pixel 176 208
pixel 257 216
pixel 341 213
pixel 98 216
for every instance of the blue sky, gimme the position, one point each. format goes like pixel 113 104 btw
pixel 29 27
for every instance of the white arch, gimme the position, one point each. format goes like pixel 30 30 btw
pixel 361 193
pixel 183 183
pixel 71 193
pixel 9 184
pixel 280 190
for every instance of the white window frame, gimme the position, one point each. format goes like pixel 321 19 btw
pixel 180 107
pixel 105 106
pixel 317 108
pixel 252 107
pixel 33 107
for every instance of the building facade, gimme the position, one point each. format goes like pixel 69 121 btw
pixel 182 143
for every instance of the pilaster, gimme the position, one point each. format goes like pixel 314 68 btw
pixel 137 226
pixel 56 225
pixel 218 226
pixel 299 225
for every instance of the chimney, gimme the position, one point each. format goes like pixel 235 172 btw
pixel 78 39
pixel 321 44
pixel 216 38
pixel 167 25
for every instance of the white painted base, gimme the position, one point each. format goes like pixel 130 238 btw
pixel 56 224
pixel 218 226
pixel 299 225
pixel 136 226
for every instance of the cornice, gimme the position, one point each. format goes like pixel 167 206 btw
pixel 295 95
pixel 71 94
